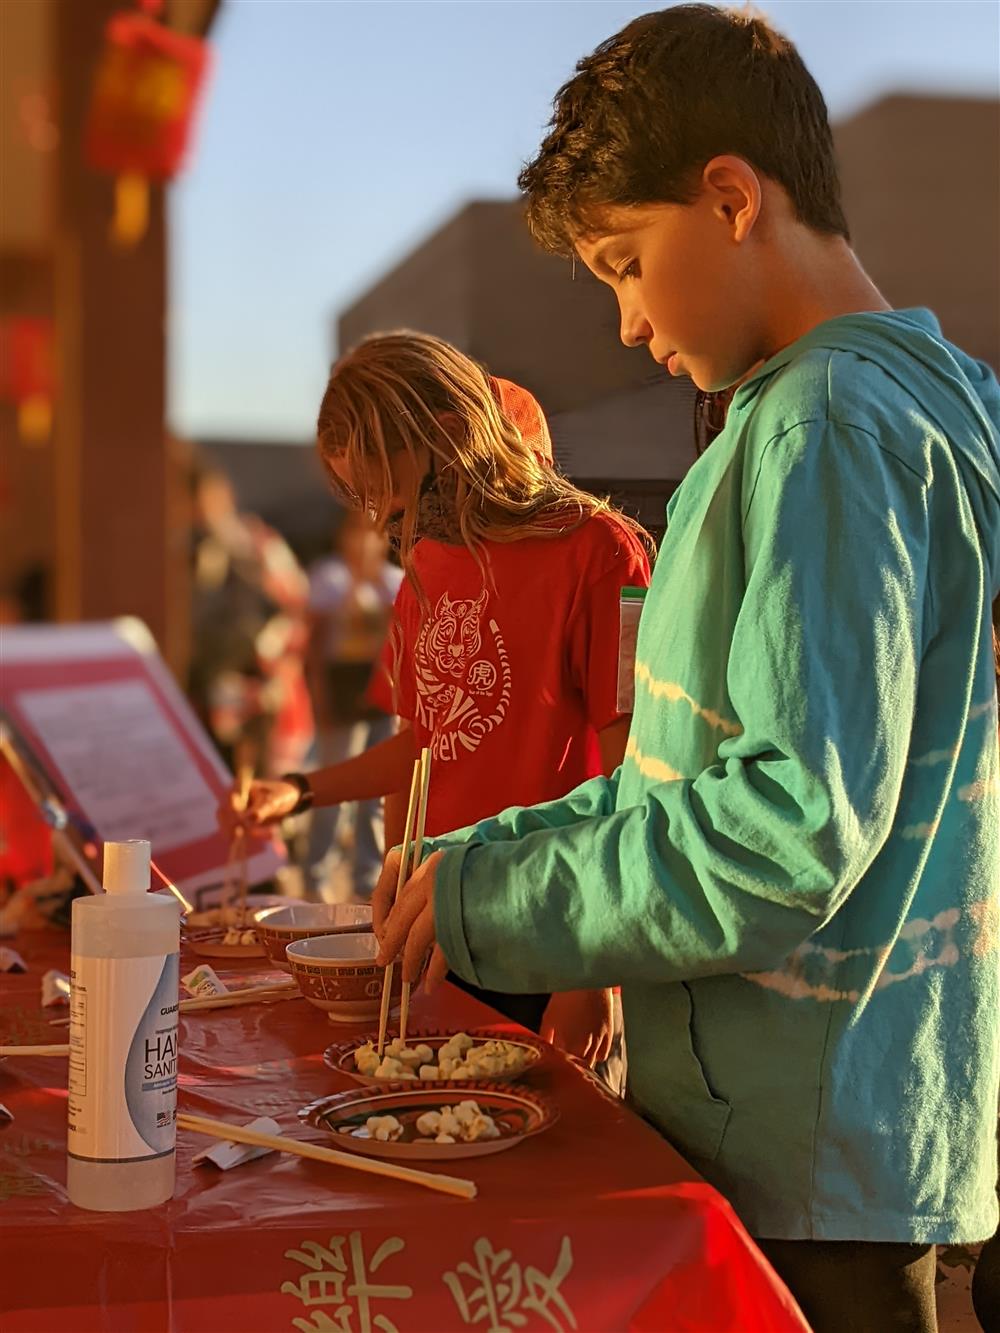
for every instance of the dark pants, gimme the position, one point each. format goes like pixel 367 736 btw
pixel 986 1286
pixel 527 1010
pixel 859 1286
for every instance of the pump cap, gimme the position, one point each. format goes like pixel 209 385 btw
pixel 126 866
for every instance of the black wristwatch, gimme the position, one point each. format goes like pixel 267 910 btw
pixel 306 794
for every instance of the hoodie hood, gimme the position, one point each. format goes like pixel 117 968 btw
pixel 957 393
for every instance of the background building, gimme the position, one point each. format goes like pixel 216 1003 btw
pixel 923 198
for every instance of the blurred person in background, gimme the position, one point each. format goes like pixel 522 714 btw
pixel 249 632
pixel 351 595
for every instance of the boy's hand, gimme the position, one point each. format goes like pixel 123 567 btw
pixel 408 926
pixel 581 1023
pixel 268 803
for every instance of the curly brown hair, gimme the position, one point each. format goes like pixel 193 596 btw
pixel 643 115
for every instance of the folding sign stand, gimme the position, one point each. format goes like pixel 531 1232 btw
pixel 103 725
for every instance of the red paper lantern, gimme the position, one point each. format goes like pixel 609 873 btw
pixel 145 94
pixel 26 359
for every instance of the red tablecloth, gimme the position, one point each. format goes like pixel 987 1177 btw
pixel 595 1226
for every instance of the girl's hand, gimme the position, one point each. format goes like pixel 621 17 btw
pixel 407 926
pixel 581 1023
pixel 268 803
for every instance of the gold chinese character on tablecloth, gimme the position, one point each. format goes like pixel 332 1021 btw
pixel 338 1278
pixel 498 1290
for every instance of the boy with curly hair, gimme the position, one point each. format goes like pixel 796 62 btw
pixel 795 874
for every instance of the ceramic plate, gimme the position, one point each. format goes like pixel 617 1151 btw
pixel 208 943
pixel 518 1112
pixel 340 1056
pixel 256 903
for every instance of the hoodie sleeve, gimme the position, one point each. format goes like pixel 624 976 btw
pixel 731 869
pixel 596 796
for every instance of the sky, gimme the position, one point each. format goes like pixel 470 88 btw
pixel 336 135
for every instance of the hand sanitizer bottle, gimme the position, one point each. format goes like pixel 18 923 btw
pixel 123 1039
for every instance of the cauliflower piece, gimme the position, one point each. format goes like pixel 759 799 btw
pixel 456 1046
pixel 385 1128
pixel 466 1112
pixel 449 1124
pixel 366 1059
pixel 391 1068
pixel 425 1053
pixel 445 1138
pixel 430 1073
pixel 234 935
pixel 480 1127
pixel 446 1064
pixel 395 1046
pixel 409 1057
pixel 429 1123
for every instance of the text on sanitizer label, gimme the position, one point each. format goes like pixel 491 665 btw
pixel 122 1058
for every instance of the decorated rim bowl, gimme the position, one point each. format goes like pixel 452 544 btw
pixel 280 926
pixel 337 974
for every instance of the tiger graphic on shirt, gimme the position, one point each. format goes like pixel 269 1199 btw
pixel 463 675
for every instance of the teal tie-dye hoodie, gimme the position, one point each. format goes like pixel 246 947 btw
pixel 795 873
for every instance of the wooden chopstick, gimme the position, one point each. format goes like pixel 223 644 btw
pixel 169 884
pixel 219 1129
pixel 418 851
pixel 248 995
pixel 51 1049
pixel 383 1017
pixel 245 778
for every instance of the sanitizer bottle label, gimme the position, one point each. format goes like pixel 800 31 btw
pixel 123 1058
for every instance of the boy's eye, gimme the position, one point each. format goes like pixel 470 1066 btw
pixel 629 270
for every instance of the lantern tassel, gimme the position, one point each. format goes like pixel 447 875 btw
pixel 131 216
pixel 34 419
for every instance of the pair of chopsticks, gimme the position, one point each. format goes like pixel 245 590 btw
pixel 218 1129
pixel 416 811
pixel 238 847
pixel 281 990
pixel 248 995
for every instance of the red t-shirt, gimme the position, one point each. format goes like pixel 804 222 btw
pixel 509 683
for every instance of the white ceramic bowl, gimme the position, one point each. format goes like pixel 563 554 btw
pixel 280 926
pixel 337 974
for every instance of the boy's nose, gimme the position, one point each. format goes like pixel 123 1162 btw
pixel 635 329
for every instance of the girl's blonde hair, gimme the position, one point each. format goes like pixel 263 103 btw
pixel 397 391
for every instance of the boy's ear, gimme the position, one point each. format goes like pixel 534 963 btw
pixel 735 192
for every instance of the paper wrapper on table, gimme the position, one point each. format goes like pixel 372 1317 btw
pixel 204 982
pixel 227 1155
pixel 56 988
